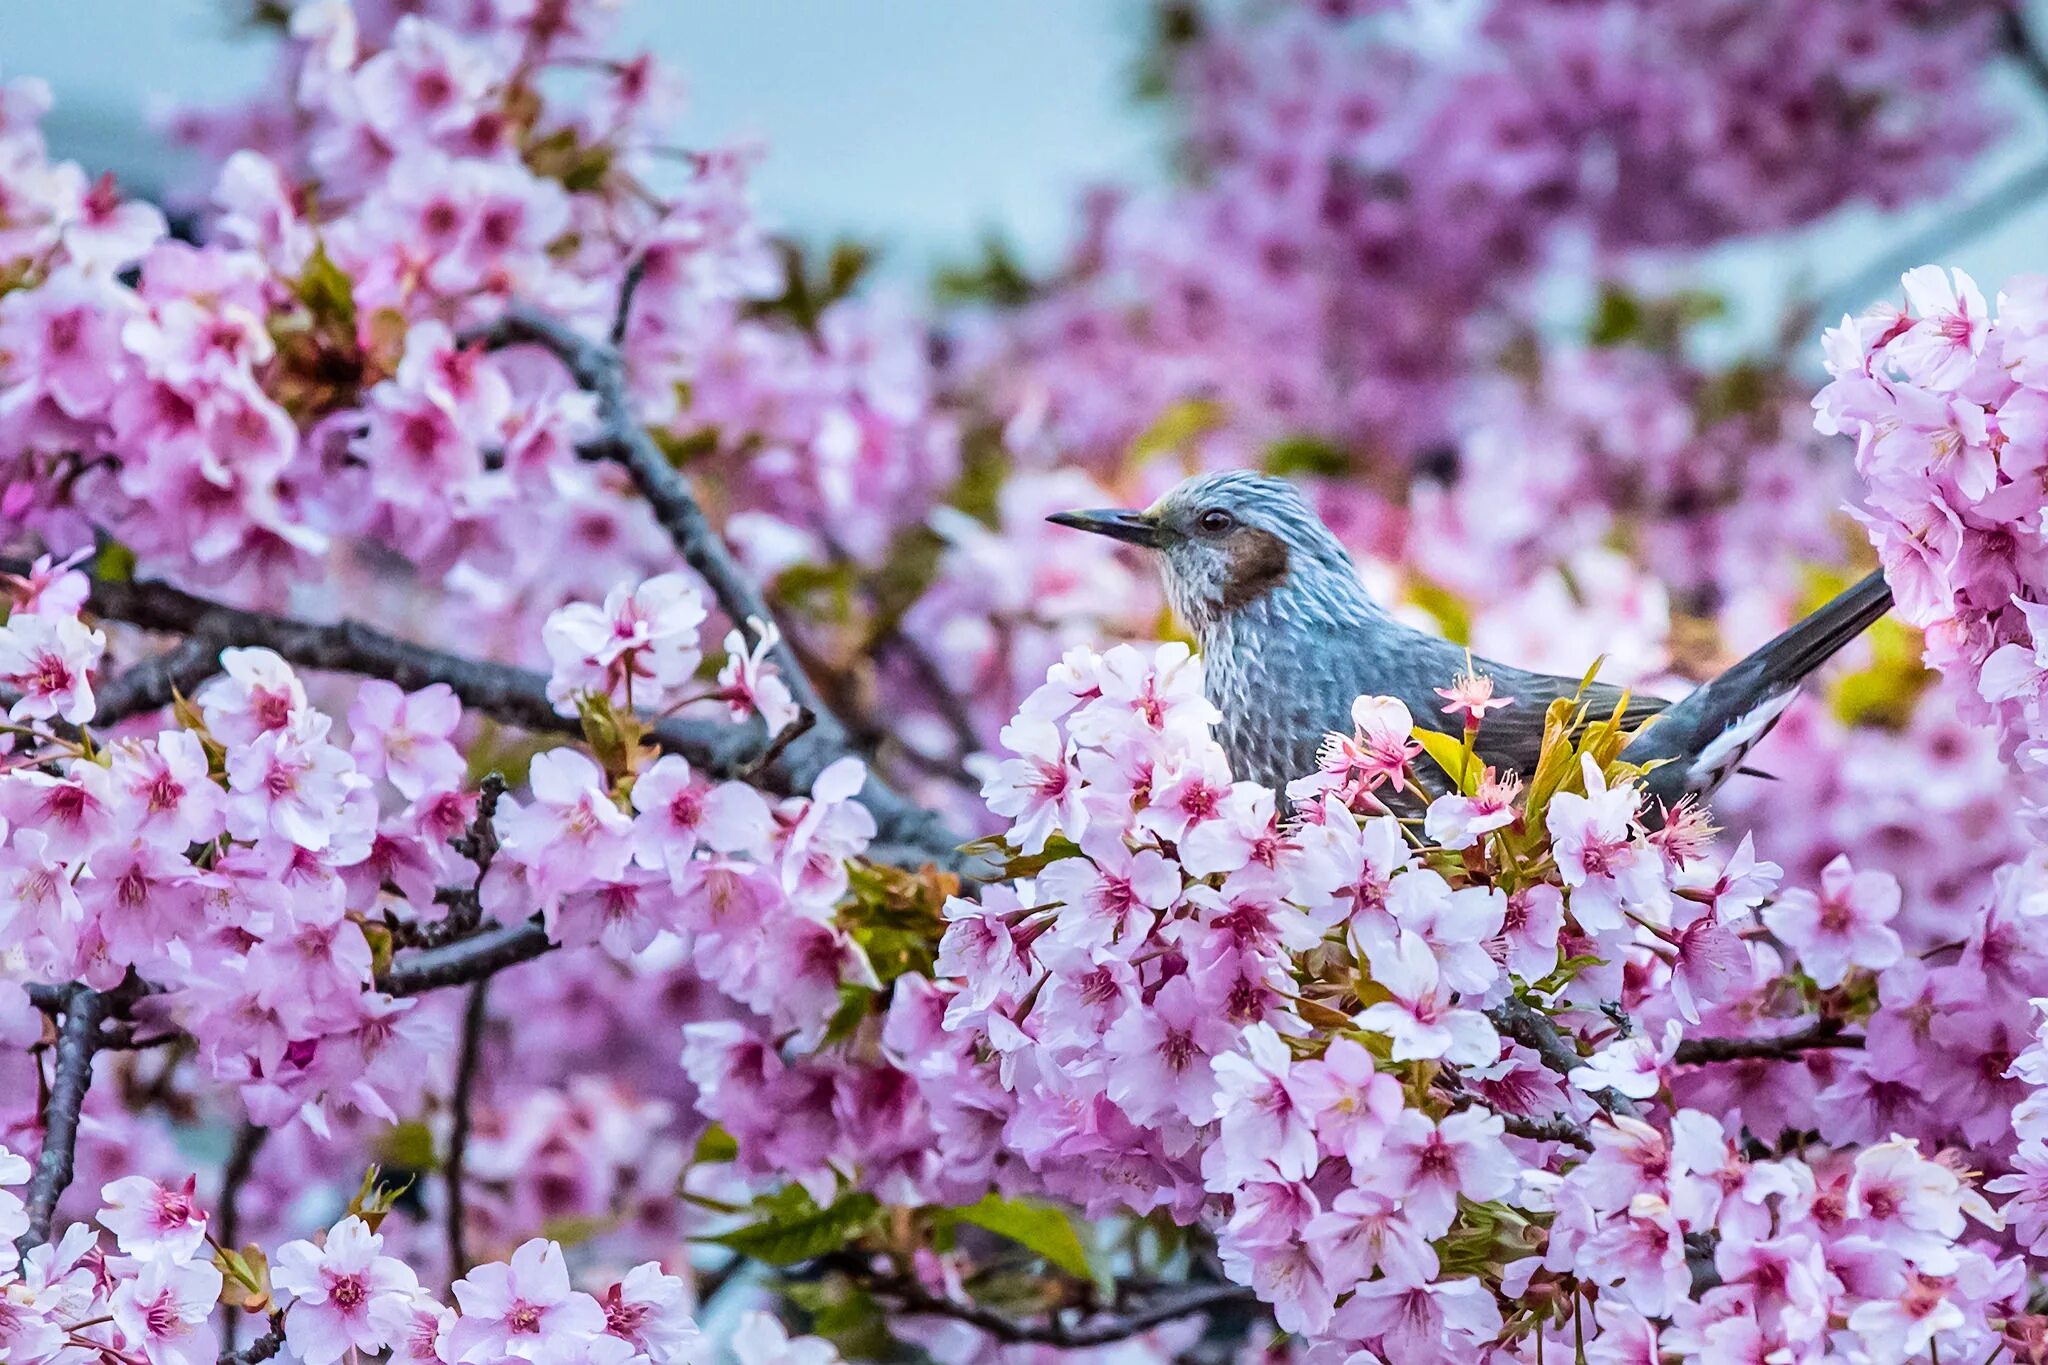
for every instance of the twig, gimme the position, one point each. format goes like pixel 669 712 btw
pixel 473 1018
pixel 600 370
pixel 155 682
pixel 77 1040
pixel 517 696
pixel 622 316
pixel 1533 1029
pixel 235 1173
pixel 1557 1128
pixel 788 735
pixel 1825 1033
pixel 470 960
pixel 1098 1331
pixel 261 1349
pixel 2018 39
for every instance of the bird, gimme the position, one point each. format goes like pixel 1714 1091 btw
pixel 1290 637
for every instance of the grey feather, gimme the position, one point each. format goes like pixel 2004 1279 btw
pixel 1290 639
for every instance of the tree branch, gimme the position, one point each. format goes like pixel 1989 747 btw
pixel 261 1349
pixel 1099 1330
pixel 235 1173
pixel 599 369
pixel 473 1018
pixel 77 1040
pixel 517 696
pixel 155 682
pixel 1535 1030
pixel 1557 1128
pixel 471 959
pixel 1824 1033
pixel 2017 37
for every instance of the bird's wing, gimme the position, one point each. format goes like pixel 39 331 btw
pixel 1512 738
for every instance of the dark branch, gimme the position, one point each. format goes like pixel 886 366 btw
pixel 240 1165
pixel 600 370
pixel 77 1039
pixel 788 735
pixel 1533 1029
pixel 261 1349
pixel 1555 1129
pixel 2017 37
pixel 473 1018
pixel 472 959
pixel 1826 1033
pixel 622 316
pixel 156 682
pixel 1098 1330
pixel 514 695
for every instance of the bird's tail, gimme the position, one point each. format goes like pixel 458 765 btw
pixel 1702 738
pixel 1807 644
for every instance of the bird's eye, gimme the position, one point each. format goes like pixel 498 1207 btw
pixel 1215 521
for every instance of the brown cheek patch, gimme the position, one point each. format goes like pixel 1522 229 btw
pixel 1258 564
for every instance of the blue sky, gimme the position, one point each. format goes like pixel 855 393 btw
pixel 916 123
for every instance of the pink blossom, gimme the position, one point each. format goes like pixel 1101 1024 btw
pixel 257 694
pixel 752 681
pixel 1265 1124
pixel 1459 821
pixel 1161 1055
pixel 405 738
pixel 678 811
pixel 1349 1101
pixel 1429 1165
pixel 1039 790
pixel 49 660
pixel 342 1292
pixel 1598 856
pixel 1847 924
pixel 163 1310
pixel 1420 1020
pixel 1942 347
pixel 519 1308
pixel 147 1218
pixel 572 831
pixel 1421 1320
pixel 649 1311
pixel 637 649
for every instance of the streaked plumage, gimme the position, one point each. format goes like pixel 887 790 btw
pixel 1289 638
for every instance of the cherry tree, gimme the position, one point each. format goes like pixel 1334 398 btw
pixel 561 804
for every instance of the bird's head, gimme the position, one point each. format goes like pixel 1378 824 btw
pixel 1226 541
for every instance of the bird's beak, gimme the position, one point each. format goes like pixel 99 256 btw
pixel 1133 528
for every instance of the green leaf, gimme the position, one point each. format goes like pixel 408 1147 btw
pixel 408 1146
pixel 1617 317
pixel 326 289
pixel 1292 455
pixel 1448 751
pixel 714 1145
pixel 855 1003
pixel 793 1228
pixel 1042 1227
pixel 1182 423
pixel 114 562
pixel 1453 616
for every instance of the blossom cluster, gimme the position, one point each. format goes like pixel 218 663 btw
pixel 155 1293
pixel 1290 1030
pixel 1301 283
pixel 242 862
pixel 248 409
pixel 1944 397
